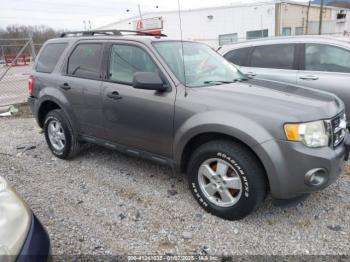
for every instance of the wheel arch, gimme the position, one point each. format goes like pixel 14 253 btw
pixel 51 102
pixel 44 108
pixel 203 138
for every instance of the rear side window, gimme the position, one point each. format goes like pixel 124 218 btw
pixel 85 61
pixel 127 60
pixel 238 56
pixel 49 57
pixel 326 58
pixel 273 56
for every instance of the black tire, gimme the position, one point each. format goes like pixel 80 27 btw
pixel 72 145
pixel 249 170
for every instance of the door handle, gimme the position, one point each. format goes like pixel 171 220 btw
pixel 309 77
pixel 65 86
pixel 114 95
pixel 251 74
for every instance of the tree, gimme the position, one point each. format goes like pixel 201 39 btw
pixel 39 34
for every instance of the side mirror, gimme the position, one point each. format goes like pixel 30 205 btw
pixel 148 81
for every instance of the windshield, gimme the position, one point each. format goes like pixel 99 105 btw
pixel 203 66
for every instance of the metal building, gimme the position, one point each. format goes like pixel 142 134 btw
pixel 226 24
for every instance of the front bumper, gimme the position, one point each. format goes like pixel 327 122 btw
pixel 287 164
pixel 36 247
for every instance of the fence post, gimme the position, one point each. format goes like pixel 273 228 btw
pixel 2 53
pixel 32 49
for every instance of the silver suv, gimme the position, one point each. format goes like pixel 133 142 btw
pixel 182 104
pixel 320 62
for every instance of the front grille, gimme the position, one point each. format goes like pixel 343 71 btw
pixel 337 130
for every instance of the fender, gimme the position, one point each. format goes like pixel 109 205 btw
pixel 55 95
pixel 229 123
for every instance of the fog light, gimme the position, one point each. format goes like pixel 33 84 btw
pixel 316 177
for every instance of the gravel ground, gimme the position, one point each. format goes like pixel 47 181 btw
pixel 103 202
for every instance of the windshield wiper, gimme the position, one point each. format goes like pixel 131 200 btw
pixel 240 79
pixel 217 82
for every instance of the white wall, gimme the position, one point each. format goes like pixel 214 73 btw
pixel 226 20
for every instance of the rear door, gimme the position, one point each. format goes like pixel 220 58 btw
pixel 135 118
pixel 326 67
pixel 81 84
pixel 275 62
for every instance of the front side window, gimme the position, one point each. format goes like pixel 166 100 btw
pixel 273 56
pixel 85 61
pixel 326 58
pixel 127 60
pixel 196 64
pixel 238 56
pixel 49 57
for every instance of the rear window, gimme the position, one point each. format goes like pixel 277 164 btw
pixel 273 56
pixel 49 57
pixel 85 61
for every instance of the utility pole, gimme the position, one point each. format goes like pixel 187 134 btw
pixel 140 14
pixel 307 18
pixel 321 18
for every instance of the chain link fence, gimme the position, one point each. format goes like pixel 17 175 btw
pixel 16 59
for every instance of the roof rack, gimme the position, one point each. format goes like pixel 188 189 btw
pixel 107 32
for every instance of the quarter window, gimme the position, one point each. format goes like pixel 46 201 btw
pixel 326 58
pixel 127 60
pixel 49 57
pixel 273 56
pixel 85 61
pixel 238 56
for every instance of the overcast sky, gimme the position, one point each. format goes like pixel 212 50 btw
pixel 70 14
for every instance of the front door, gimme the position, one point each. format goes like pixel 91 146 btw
pixel 139 119
pixel 273 62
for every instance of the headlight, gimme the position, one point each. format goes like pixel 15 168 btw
pixel 15 220
pixel 312 134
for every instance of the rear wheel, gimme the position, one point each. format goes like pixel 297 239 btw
pixel 227 179
pixel 59 135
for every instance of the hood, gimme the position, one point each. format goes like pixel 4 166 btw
pixel 263 98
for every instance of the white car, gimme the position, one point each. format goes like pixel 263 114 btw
pixel 319 62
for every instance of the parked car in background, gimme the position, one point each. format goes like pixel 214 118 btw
pixel 180 103
pixel 320 62
pixel 22 236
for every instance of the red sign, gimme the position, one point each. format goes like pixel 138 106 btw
pixel 149 25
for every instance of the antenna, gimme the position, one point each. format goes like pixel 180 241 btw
pixel 182 48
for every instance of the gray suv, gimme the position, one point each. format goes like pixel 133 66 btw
pixel 182 104
pixel 320 62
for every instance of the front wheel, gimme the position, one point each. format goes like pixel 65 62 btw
pixel 227 179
